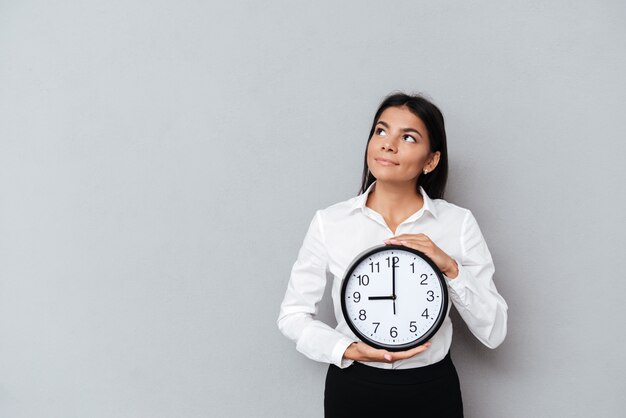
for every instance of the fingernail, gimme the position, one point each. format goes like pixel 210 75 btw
pixel 388 357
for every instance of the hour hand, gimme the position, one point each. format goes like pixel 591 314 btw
pixel 392 297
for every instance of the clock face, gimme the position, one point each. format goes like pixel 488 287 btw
pixel 394 297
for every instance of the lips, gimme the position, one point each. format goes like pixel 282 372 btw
pixel 384 161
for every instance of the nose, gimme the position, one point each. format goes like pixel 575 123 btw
pixel 389 144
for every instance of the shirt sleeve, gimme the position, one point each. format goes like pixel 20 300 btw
pixel 473 291
pixel 305 290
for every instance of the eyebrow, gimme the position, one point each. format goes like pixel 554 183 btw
pixel 403 130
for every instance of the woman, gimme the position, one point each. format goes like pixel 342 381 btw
pixel 400 202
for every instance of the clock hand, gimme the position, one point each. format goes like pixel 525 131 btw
pixel 392 297
pixel 393 285
pixel 393 280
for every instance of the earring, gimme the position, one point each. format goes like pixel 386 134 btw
pixel 425 171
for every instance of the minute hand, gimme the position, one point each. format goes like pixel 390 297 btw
pixel 393 286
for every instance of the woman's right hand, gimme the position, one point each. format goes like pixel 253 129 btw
pixel 359 351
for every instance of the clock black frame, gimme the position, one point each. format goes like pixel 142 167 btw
pixel 441 315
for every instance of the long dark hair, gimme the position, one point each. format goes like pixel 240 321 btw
pixel 434 183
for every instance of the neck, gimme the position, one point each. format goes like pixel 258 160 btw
pixel 395 201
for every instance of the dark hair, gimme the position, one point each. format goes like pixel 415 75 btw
pixel 434 183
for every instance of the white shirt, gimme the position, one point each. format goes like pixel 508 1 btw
pixel 338 233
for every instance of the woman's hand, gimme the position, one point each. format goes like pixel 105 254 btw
pixel 421 242
pixel 360 351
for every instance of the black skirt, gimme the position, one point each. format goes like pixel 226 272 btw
pixel 359 390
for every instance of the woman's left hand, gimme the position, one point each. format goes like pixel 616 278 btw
pixel 421 242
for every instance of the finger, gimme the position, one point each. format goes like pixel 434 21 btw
pixel 382 355
pixel 407 242
pixel 412 352
pixel 419 236
pixel 374 354
pixel 402 355
pixel 420 246
pixel 404 241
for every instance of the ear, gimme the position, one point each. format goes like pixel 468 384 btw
pixel 432 161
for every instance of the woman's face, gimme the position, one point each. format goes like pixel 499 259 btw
pixel 399 150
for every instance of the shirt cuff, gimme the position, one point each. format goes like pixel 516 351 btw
pixel 339 350
pixel 458 284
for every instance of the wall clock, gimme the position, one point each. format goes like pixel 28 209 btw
pixel 394 297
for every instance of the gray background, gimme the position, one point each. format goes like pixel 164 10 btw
pixel 160 162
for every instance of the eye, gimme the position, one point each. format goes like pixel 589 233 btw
pixel 411 139
pixel 379 130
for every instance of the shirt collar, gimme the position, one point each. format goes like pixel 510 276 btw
pixel 360 200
